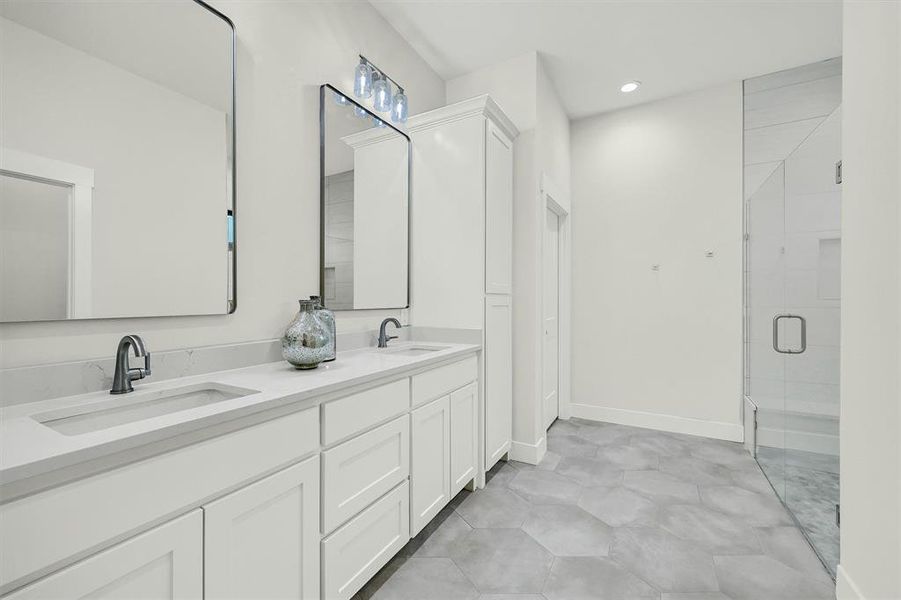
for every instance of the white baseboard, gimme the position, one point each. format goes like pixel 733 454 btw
pixel 712 429
pixel 528 453
pixel 845 588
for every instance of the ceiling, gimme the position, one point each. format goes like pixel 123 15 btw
pixel 591 47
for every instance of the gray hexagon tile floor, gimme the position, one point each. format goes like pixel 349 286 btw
pixel 613 512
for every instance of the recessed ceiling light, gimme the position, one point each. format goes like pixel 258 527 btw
pixel 630 87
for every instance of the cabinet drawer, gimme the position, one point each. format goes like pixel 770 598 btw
pixel 360 470
pixel 444 380
pixel 356 552
pixel 39 531
pixel 347 416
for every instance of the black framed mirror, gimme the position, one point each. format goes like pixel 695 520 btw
pixel 364 206
pixel 117 166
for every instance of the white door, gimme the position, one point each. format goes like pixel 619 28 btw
pixel 430 457
pixel 464 405
pixel 550 308
pixel 262 541
pixel 163 563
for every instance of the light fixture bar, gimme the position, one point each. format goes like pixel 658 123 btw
pixel 381 73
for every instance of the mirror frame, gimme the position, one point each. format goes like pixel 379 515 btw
pixel 323 89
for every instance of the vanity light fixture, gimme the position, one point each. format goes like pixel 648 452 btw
pixel 630 86
pixel 372 82
pixel 363 80
pixel 381 91
pixel 399 107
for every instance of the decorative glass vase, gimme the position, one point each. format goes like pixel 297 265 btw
pixel 307 340
pixel 328 319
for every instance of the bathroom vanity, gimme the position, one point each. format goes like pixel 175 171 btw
pixel 257 482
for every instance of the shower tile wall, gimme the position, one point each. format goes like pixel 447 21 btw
pixel 339 241
pixel 792 141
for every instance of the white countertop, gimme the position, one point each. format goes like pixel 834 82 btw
pixel 29 449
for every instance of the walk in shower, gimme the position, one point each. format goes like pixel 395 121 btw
pixel 792 193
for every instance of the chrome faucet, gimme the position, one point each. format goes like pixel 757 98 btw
pixel 383 336
pixel 124 375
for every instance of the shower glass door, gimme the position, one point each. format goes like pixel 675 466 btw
pixel 792 142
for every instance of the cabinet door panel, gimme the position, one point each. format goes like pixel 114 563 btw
pixel 498 212
pixel 358 549
pixel 163 563
pixel 262 541
pixel 357 472
pixel 464 416
pixel 498 378
pixel 430 455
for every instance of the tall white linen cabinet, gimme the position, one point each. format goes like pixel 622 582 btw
pixel 462 245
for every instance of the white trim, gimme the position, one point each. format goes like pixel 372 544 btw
pixel 554 199
pixel 33 165
pixel 480 105
pixel 81 199
pixel 845 588
pixel 528 453
pixel 712 429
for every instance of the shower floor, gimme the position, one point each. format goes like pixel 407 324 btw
pixel 808 483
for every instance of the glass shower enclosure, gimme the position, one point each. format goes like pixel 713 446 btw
pixel 792 195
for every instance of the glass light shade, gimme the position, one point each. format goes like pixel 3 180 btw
pixel 361 112
pixel 378 122
pixel 363 81
pixel 400 107
pixel 341 99
pixel 381 89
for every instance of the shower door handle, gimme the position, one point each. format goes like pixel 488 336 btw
pixel 776 346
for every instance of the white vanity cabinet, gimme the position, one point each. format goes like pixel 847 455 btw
pixel 165 563
pixel 262 541
pixel 306 504
pixel 462 243
pixel 444 438
pixel 430 469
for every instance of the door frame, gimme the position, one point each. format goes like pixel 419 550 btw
pixel 555 200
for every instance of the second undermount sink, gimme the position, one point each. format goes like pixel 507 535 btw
pixel 137 406
pixel 414 349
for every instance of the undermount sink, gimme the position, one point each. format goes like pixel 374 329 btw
pixel 414 349
pixel 137 406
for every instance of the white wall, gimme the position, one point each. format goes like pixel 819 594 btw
pixel 871 303
pixel 510 83
pixel 659 184
pixel 285 51
pixel 554 134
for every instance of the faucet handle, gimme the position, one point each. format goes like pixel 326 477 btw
pixel 141 373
